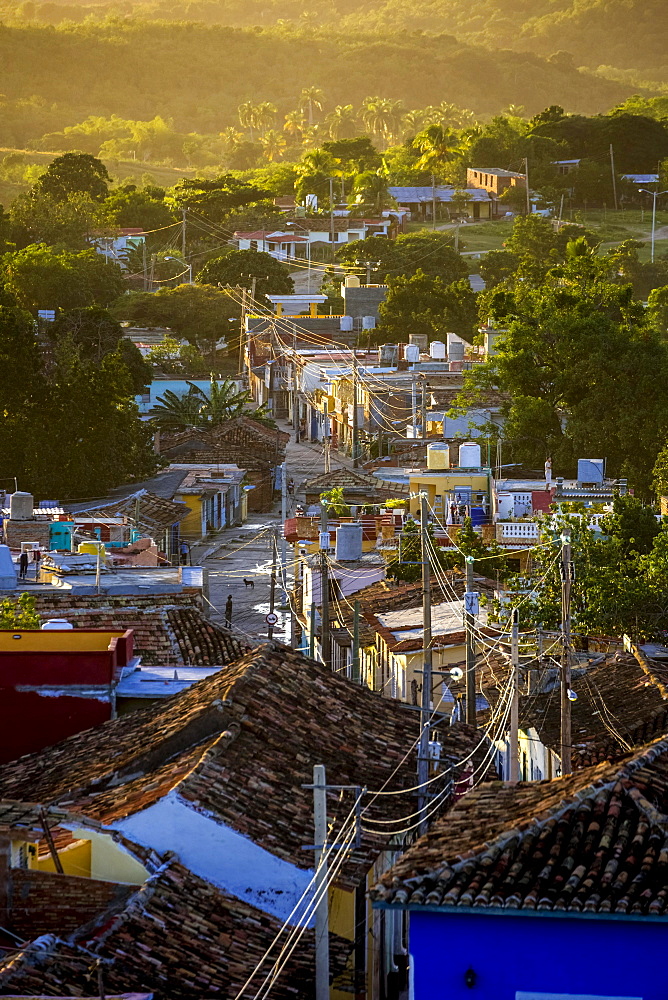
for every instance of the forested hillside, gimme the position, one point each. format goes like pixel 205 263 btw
pixel 198 75
pixel 619 36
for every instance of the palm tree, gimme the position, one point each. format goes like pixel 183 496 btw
pixel 247 113
pixel 265 112
pixel 341 122
pixel 231 137
pixel 370 190
pixel 196 409
pixel 310 136
pixel 310 98
pixel 413 122
pixel 294 124
pixel 438 145
pixel 273 145
pixel 381 116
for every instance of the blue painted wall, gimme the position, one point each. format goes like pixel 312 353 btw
pixel 159 386
pixel 544 954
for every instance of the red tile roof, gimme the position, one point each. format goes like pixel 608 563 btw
pixel 595 842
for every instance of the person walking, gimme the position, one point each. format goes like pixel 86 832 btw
pixel 228 612
pixel 23 565
pixel 37 558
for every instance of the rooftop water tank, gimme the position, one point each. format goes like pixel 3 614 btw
pixel 411 353
pixel 438 350
pixel 348 542
pixel 388 354
pixel 21 506
pixel 591 470
pixel 456 350
pixel 346 323
pixel 352 281
pixel 57 625
pixel 368 322
pixel 505 504
pixel 438 456
pixel 469 455
pixel 421 340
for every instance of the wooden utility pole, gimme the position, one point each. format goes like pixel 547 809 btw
pixel 272 587
pixel 513 742
pixel 183 235
pixel 325 638
pixel 355 421
pixel 423 409
pixel 242 331
pixel 425 715
pixel 614 179
pixel 325 407
pixel 565 654
pixel 470 647
pixel 356 644
pixel 526 173
pixel 321 894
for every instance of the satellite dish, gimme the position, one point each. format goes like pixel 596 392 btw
pixel 572 695
pixel 456 673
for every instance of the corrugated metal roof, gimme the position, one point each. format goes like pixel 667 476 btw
pixel 446 194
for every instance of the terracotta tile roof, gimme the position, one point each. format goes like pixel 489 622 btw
pixel 239 745
pixel 595 842
pixel 621 704
pixel 148 510
pixel 354 484
pixel 169 630
pixel 177 936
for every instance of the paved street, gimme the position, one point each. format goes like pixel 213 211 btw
pixel 246 552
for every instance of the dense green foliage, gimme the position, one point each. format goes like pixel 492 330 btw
pixel 198 409
pixel 19 613
pixel 69 424
pixel 621 574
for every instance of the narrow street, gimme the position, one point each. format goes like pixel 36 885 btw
pixel 245 552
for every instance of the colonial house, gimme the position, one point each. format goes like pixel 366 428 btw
pixel 208 791
pixel 535 889
pixel 306 237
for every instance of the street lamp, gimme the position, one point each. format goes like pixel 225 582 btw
pixel 185 264
pixel 655 195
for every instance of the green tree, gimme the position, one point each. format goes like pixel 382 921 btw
pixel 334 501
pixel 42 277
pixel 239 267
pixel 371 192
pixel 428 306
pixel 22 388
pixel 36 217
pixel 174 358
pixel 439 146
pixel 201 314
pixel 20 613
pixel 565 344
pixel 432 253
pixel 96 333
pixel 132 207
pixel 215 198
pixel 310 98
pixel 657 309
pixel 75 173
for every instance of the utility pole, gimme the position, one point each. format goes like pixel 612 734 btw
pixel 513 742
pixel 433 202
pixel 423 409
pixel 355 421
pixel 414 404
pixel 526 173
pixel 183 234
pixel 325 407
pixel 151 273
pixel 144 265
pixel 331 213
pixel 565 654
pixel 425 715
pixel 470 646
pixel 242 331
pixel 356 643
pixel 321 893
pixel 284 541
pixel 272 589
pixel 614 179
pixel 325 638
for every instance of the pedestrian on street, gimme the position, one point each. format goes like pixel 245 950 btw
pixel 23 566
pixel 228 612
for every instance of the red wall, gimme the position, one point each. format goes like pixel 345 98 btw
pixel 30 721
pixel 61 669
